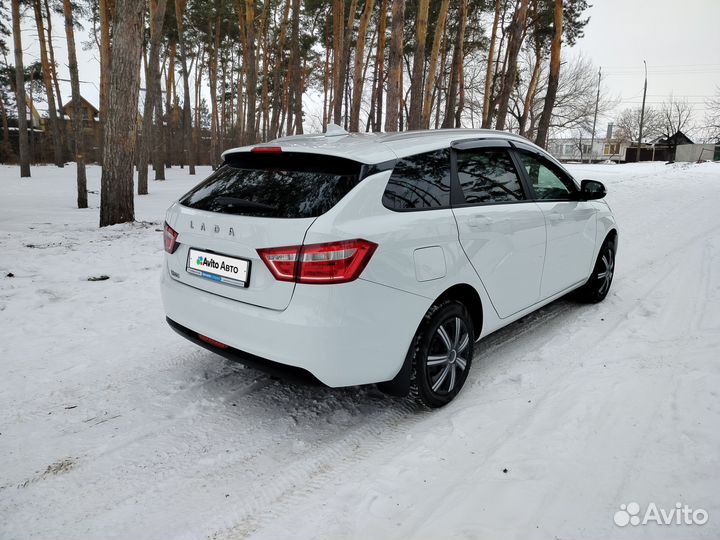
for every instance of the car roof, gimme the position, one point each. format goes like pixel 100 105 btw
pixel 374 148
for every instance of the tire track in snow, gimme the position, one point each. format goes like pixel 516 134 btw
pixel 294 483
pixel 368 438
pixel 675 309
pixel 515 335
pixel 372 437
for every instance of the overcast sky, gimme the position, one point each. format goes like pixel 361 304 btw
pixel 679 39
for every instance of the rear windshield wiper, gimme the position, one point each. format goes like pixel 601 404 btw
pixel 238 204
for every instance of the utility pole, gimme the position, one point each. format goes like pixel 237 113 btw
pixel 642 113
pixel 597 103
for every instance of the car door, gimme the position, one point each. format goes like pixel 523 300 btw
pixel 571 223
pixel 501 230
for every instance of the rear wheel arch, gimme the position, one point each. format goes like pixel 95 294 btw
pixel 463 293
pixel 469 297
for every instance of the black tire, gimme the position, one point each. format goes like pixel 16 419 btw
pixel 599 282
pixel 441 354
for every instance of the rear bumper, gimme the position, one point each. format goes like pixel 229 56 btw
pixel 289 373
pixel 343 334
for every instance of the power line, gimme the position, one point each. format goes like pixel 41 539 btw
pixel 661 66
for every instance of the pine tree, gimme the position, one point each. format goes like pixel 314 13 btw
pixel 116 195
pixel 23 143
pixel 77 120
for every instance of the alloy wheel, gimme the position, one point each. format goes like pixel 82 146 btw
pixel 607 269
pixel 447 357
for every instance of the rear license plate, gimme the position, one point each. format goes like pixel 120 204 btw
pixel 222 268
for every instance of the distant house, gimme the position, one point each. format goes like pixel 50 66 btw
pixel 609 148
pixel 676 139
pixel 92 128
pixel 660 149
pixel 90 113
pixel 575 149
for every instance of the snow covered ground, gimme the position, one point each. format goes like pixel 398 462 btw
pixel 112 426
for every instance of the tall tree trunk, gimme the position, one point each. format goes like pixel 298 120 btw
pixel 277 74
pixel 223 103
pixel 231 89
pixel 373 103
pixel 395 71
pixel 241 105
pixel 186 118
pixel 116 195
pixel 157 18
pixel 365 68
pixel 380 62
pixel 295 91
pixel 265 95
pixel 338 14
pixel 347 51
pixel 299 84
pixel 7 149
pixel 461 97
pixel 250 60
pixel 159 153
pixel 170 116
pixel 326 74
pixel 458 60
pixel 415 120
pixel 358 79
pixel 531 91
pixel 430 81
pixel 553 79
pixel 105 55
pixel 23 143
pixel 487 96
pixel 198 82
pixel 77 119
pixel 214 53
pixel 51 52
pixel 49 90
pixel 302 84
pixel 516 36
pixel 441 83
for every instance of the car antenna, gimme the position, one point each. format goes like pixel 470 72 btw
pixel 333 130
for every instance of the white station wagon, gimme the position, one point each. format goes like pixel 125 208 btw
pixel 353 259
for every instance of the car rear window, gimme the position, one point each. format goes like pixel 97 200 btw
pixel 283 185
pixel 419 182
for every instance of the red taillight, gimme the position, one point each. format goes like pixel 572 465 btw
pixel 333 262
pixel 170 239
pixel 281 261
pixel 266 150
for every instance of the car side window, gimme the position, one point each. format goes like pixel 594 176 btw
pixel 419 182
pixel 548 182
pixel 488 176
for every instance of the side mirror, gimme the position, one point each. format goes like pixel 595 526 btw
pixel 591 190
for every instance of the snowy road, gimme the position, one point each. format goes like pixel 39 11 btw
pixel 112 426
